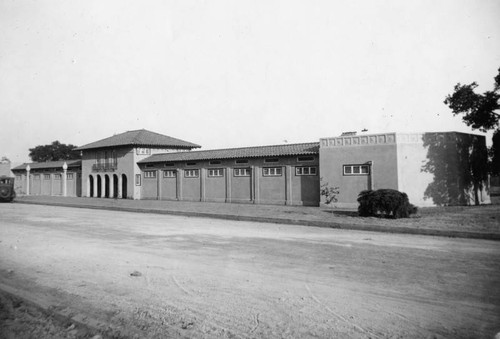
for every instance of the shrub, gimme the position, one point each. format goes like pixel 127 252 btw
pixel 385 202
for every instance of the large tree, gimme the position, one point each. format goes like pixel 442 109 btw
pixel 54 152
pixel 480 111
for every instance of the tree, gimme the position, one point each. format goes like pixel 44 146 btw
pixel 54 152
pixel 480 111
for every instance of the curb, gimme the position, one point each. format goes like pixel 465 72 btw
pixel 297 222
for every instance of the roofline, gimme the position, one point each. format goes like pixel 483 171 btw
pixel 315 143
pixel 82 148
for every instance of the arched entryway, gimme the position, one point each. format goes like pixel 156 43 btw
pixel 99 186
pixel 106 186
pixel 124 186
pixel 115 186
pixel 90 186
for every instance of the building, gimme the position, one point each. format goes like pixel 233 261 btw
pixel 432 168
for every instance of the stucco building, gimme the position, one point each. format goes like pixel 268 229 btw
pixel 432 168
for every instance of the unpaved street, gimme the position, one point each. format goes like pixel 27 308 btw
pixel 207 278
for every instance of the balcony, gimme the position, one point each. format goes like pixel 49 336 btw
pixel 104 167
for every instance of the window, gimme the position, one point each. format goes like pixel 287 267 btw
pixel 271 160
pixel 216 172
pixel 169 164
pixel 272 171
pixel 35 176
pixel 192 173
pixel 215 162
pixel 149 174
pixel 301 159
pixel 46 176
pixel 242 172
pixel 69 176
pixel 303 170
pixel 190 163
pixel 169 174
pixel 356 169
pixel 143 151
pixel 18 177
pixel 138 180
pixel 242 161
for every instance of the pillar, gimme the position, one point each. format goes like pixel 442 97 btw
pixel 28 168
pixel 288 185
pixel 228 184
pixel 64 180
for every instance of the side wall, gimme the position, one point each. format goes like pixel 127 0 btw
pixel 378 153
pixel 254 181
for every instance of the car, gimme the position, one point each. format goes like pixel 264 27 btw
pixel 7 192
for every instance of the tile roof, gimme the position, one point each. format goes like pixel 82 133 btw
pixel 139 137
pixel 49 164
pixel 233 153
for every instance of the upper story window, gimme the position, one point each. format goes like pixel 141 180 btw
pixel 242 161
pixel 272 171
pixel 69 176
pixel 356 169
pixel 149 174
pixel 215 162
pixel 46 176
pixel 143 151
pixel 192 173
pixel 216 172
pixel 169 164
pixel 190 163
pixel 271 160
pixel 169 174
pixel 304 159
pixel 242 172
pixel 306 170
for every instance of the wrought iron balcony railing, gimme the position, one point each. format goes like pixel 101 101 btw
pixel 104 167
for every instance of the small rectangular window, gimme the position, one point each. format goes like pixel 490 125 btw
pixel 272 171
pixel 138 180
pixel 46 176
pixel 143 151
pixel 149 174
pixel 149 166
pixel 306 170
pixel 169 164
pixel 272 160
pixel 169 174
pixel 303 159
pixel 18 177
pixel 242 172
pixel 215 162
pixel 69 176
pixel 241 161
pixel 216 172
pixel 192 173
pixel 35 176
pixel 190 163
pixel 356 169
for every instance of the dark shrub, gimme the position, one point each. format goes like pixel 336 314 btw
pixel 385 202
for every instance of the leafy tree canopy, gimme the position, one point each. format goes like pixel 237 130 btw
pixel 54 152
pixel 480 111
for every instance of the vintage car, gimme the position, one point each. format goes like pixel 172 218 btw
pixel 7 192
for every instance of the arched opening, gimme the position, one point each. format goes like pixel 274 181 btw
pixel 124 186
pixel 99 186
pixel 115 186
pixel 106 186
pixel 91 186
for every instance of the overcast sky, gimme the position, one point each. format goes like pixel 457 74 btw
pixel 237 73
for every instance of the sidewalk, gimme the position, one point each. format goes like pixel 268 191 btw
pixel 292 215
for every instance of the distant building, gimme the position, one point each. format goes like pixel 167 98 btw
pixel 430 167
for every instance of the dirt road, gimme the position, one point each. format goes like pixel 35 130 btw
pixel 156 276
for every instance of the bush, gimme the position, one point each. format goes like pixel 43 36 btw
pixel 385 202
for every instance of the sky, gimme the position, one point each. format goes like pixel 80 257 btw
pixel 227 73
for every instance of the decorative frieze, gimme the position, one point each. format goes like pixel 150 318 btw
pixel 359 140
